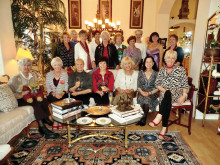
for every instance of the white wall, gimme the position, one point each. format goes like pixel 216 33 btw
pixel 7 39
pixel 120 12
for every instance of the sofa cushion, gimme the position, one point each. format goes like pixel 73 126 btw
pixel 7 99
pixel 4 150
pixel 13 122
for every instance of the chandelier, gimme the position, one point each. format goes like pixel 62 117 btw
pixel 98 25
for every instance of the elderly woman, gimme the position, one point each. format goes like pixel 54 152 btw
pixel 147 92
pixel 118 38
pixel 139 44
pixel 173 85
pixel 80 83
pixel 155 49
pixel 133 52
pixel 66 52
pixel 56 81
pixel 173 39
pixel 103 82
pixel 74 36
pixel 84 52
pixel 25 76
pixel 105 49
pixel 126 78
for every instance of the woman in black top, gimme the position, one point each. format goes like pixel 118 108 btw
pixel 105 49
pixel 66 52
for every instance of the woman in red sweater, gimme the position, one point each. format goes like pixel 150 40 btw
pixel 103 82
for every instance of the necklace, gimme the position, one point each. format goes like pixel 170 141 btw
pixel 170 67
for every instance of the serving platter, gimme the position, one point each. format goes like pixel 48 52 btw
pixel 98 110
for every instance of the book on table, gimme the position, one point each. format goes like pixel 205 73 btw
pixel 126 120
pixel 69 114
pixel 64 104
pixel 187 102
pixel 64 111
pixel 123 114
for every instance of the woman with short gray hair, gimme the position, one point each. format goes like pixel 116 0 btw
pixel 40 105
pixel 56 81
pixel 172 83
pixel 105 49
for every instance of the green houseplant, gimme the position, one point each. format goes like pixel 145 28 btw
pixel 36 23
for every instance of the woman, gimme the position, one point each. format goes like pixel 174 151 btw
pixel 105 49
pixel 25 76
pixel 118 38
pixel 133 52
pixel 172 83
pixel 126 78
pixel 103 82
pixel 66 52
pixel 96 41
pixel 173 39
pixel 84 52
pixel 139 44
pixel 147 92
pixel 155 49
pixel 56 81
pixel 74 36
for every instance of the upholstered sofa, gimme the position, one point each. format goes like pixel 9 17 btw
pixel 13 119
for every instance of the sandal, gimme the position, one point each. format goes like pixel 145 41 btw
pixel 153 124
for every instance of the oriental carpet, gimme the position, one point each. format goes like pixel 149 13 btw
pixel 144 148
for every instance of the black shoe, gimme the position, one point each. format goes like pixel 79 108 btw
pixel 43 130
pixel 48 121
pixel 142 122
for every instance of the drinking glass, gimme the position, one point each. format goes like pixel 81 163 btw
pixel 110 95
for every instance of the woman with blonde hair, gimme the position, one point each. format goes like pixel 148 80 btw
pixel 74 36
pixel 126 78
pixel 107 50
pixel 56 81
pixel 172 83
pixel 66 52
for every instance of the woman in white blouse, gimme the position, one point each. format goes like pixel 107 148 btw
pixel 84 52
pixel 126 78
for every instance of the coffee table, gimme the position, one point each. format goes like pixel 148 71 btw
pixel 87 128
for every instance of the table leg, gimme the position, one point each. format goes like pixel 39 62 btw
pixel 126 139
pixel 68 134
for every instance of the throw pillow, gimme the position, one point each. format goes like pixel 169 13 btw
pixel 7 99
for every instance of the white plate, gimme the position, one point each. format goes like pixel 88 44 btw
pixel 84 120
pixel 103 121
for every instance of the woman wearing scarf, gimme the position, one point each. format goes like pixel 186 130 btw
pixel 84 52
pixel 133 52
pixel 173 39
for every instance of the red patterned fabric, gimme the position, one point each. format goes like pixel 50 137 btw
pixel 98 80
pixel 86 48
pixel 105 54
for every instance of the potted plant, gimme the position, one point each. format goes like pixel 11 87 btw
pixel 35 23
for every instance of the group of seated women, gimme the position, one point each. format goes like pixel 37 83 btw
pixel 171 81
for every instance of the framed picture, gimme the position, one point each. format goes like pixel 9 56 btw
pixel 136 14
pixel 163 42
pixel 105 9
pixel 74 7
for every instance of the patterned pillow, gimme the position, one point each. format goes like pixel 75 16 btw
pixel 7 99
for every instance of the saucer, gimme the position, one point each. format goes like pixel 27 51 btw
pixel 84 120
pixel 103 121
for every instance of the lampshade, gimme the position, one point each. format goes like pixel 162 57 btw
pixel 24 53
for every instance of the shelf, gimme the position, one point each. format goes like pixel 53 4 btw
pixel 210 76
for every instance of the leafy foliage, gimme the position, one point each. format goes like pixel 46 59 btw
pixel 34 23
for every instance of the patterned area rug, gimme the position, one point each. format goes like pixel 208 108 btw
pixel 144 149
